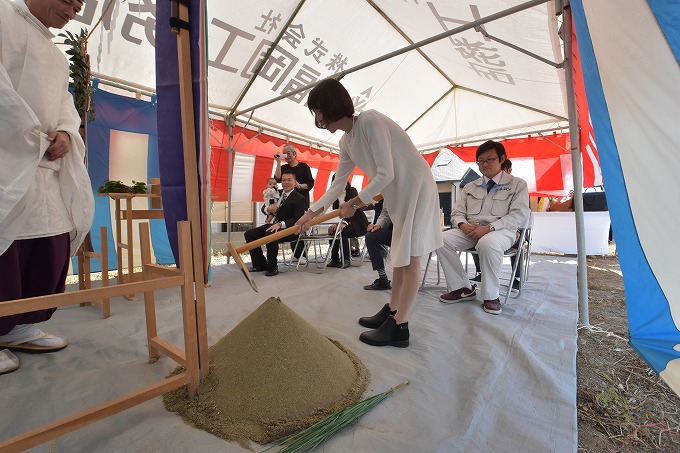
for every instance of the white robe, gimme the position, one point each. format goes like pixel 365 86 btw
pixel 383 150
pixel 34 101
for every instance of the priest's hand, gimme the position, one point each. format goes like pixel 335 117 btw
pixel 60 146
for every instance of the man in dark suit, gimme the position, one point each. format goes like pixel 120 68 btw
pixel 286 212
pixel 351 227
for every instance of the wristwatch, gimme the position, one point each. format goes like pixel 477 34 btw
pixel 355 206
pixel 491 228
pixel 282 225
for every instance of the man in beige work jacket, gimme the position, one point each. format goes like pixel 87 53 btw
pixel 486 217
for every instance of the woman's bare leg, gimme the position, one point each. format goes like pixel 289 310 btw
pixel 405 284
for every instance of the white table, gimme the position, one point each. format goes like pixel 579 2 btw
pixel 556 232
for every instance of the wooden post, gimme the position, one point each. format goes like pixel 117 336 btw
pixel 191 182
pixel 149 300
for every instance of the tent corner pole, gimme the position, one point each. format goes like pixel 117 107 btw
pixel 231 120
pixel 574 136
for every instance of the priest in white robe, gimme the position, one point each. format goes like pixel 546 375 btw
pixel 46 199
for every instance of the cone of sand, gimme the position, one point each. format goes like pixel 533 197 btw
pixel 272 375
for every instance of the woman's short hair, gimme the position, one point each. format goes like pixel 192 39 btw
pixel 332 99
pixel 290 149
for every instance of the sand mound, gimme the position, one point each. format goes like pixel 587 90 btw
pixel 272 375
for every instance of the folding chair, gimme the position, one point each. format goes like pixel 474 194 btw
pixel 316 239
pixel 522 254
pixel 427 265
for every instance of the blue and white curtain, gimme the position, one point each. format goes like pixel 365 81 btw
pixel 630 52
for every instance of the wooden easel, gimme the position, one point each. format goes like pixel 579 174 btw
pixel 154 277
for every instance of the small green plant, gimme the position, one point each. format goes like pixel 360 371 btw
pixel 120 187
pixel 616 403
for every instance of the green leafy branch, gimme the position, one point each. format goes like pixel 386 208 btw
pixel 79 67
pixel 120 187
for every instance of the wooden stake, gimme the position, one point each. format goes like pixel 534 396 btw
pixel 191 182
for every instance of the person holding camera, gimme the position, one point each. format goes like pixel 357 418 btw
pixel 303 174
pixel 303 184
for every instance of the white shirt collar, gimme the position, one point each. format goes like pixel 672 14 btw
pixel 288 193
pixel 496 179
pixel 22 8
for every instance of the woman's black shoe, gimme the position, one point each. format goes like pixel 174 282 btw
pixel 375 321
pixel 388 334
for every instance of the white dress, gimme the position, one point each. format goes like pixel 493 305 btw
pixel 383 150
pixel 38 198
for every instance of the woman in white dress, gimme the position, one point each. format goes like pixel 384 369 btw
pixel 382 150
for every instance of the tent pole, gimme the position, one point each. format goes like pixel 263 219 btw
pixel 574 135
pixel 230 175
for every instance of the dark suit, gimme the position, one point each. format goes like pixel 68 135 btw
pixel 356 227
pixel 289 212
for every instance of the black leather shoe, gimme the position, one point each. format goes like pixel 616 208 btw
pixel 379 284
pixel 345 264
pixel 477 278
pixel 375 321
pixel 333 263
pixel 388 334
pixel 257 269
pixel 272 272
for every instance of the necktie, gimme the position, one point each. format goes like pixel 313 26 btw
pixel 489 185
pixel 283 198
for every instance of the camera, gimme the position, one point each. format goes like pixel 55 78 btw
pixel 281 155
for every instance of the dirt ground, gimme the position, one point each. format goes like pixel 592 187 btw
pixel 623 406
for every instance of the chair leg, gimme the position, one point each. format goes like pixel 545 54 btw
pixel 427 265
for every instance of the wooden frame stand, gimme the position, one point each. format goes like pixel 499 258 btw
pixel 85 254
pixel 154 277
pixel 128 214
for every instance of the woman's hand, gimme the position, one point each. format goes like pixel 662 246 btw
pixel 302 221
pixel 346 209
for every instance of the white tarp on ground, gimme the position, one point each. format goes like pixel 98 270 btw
pixel 479 382
pixel 457 88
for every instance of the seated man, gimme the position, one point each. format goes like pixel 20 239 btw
pixel 506 167
pixel 350 227
pixel 487 216
pixel 378 236
pixel 286 212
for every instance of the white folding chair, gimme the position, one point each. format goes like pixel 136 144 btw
pixel 522 254
pixel 316 238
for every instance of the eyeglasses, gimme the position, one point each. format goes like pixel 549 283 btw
pixel 486 161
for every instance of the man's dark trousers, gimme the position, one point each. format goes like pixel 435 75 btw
pixel 256 254
pixel 374 241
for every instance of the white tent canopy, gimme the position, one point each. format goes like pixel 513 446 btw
pixel 459 88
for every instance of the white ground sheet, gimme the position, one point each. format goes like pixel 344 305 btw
pixel 479 383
